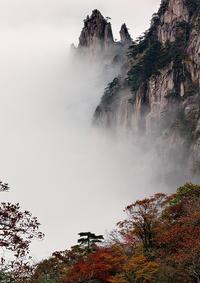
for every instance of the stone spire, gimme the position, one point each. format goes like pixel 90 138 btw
pixel 125 36
pixel 97 33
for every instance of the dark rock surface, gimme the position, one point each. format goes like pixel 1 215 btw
pixel 124 35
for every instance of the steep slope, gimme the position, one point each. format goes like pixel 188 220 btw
pixel 157 94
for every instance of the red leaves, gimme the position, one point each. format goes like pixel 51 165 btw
pixel 17 229
pixel 100 265
pixel 143 218
pixel 158 242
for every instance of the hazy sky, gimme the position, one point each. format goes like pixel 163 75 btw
pixel 68 15
pixel 68 176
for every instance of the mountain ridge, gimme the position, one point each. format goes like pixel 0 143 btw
pixel 157 92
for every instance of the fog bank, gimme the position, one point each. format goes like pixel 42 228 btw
pixel 66 173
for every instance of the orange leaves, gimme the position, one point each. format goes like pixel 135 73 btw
pixel 158 242
pixel 119 278
pixel 144 270
pixel 136 269
pixel 99 265
pixel 143 219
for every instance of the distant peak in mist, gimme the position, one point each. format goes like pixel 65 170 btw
pixel 125 35
pixel 97 33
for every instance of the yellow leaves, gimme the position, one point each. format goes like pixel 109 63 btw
pixel 147 271
pixel 119 278
pixel 136 269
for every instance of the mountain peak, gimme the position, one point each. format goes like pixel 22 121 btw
pixel 96 13
pixel 97 32
pixel 125 36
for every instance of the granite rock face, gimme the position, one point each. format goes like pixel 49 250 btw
pixel 97 33
pixel 176 12
pixel 96 40
pixel 157 93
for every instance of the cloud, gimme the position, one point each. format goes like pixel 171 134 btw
pixel 69 14
pixel 69 176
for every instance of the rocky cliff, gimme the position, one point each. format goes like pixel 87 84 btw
pixel 157 92
pixel 97 40
pixel 97 33
pixel 125 36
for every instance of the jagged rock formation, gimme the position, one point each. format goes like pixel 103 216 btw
pixel 97 33
pixel 157 93
pixel 97 40
pixel 125 36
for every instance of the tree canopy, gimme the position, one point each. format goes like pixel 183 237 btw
pixel 157 242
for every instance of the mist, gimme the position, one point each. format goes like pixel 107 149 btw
pixel 72 177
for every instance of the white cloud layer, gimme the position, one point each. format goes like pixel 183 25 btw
pixel 68 176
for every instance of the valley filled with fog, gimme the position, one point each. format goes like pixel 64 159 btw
pixel 68 174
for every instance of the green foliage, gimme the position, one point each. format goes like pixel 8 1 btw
pixel 149 37
pixel 149 56
pixel 142 43
pixel 192 6
pixel 89 240
pixel 48 271
pixel 111 91
pixel 155 58
pixel 185 191
pixel 6 278
pixel 163 7
pixel 191 90
pixel 145 68
pixel 173 94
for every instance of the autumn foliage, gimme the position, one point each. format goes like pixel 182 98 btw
pixel 17 230
pixel 159 241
